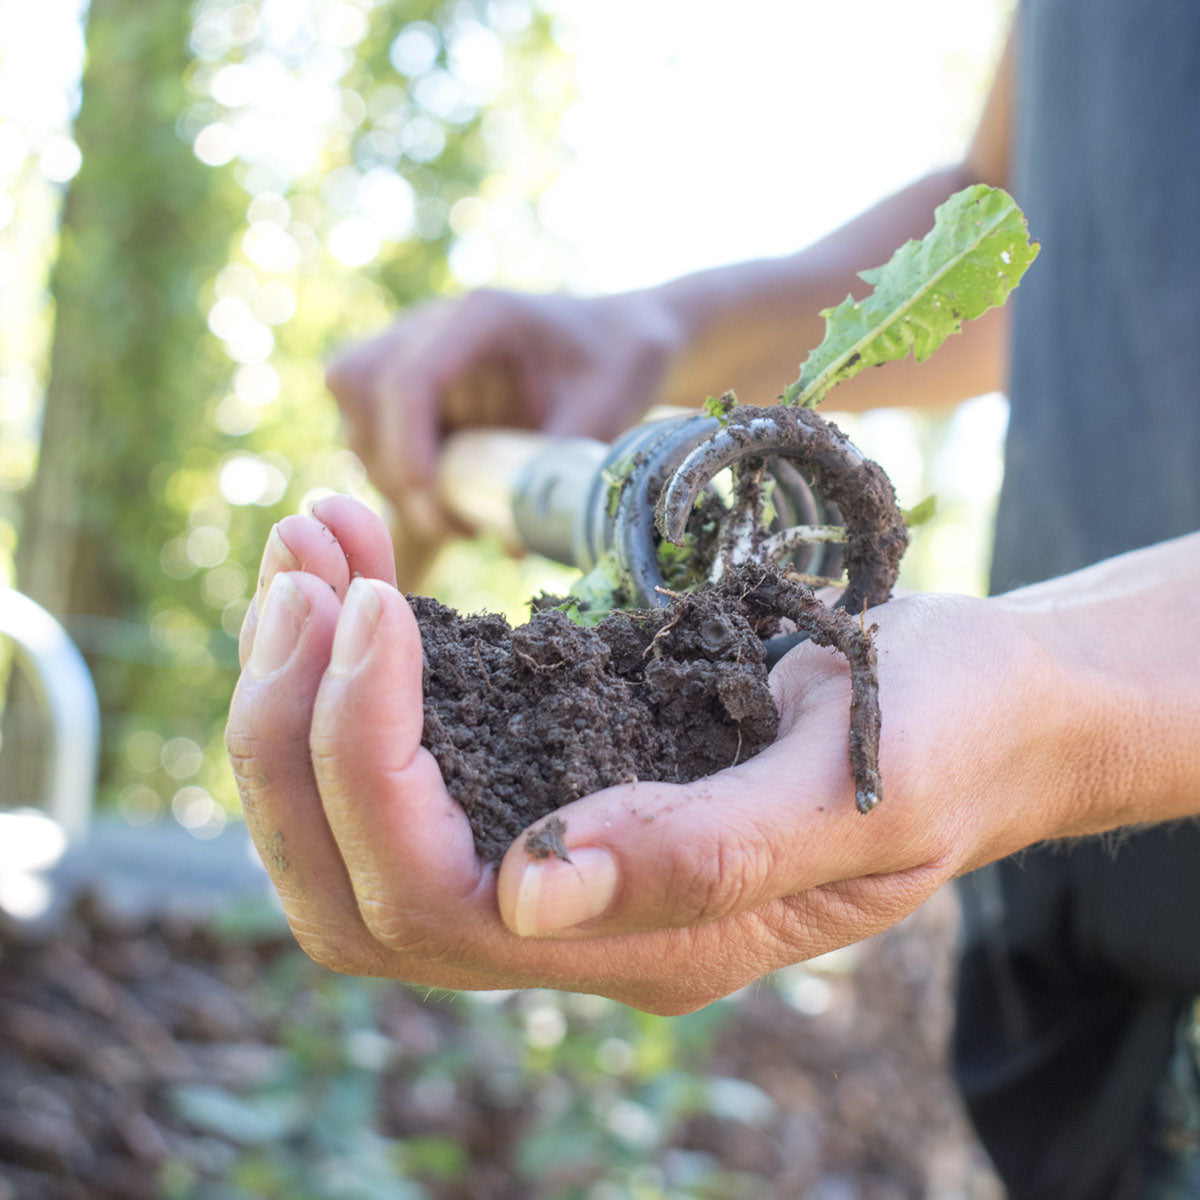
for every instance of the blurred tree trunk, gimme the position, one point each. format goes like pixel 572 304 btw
pixel 140 234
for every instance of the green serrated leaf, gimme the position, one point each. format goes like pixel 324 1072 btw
pixel 594 595
pixel 721 406
pixel 970 260
pixel 615 476
pixel 921 513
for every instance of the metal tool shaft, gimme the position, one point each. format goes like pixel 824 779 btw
pixel 577 500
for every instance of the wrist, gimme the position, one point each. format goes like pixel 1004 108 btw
pixel 741 327
pixel 1121 642
pixel 664 330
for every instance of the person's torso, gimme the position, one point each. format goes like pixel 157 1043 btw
pixel 1103 452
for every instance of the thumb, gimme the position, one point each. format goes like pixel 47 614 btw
pixel 654 856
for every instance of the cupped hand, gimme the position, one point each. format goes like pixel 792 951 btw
pixel 674 895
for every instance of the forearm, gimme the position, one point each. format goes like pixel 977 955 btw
pixel 748 326
pixel 1124 638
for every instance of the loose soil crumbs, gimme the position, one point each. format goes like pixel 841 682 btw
pixel 522 721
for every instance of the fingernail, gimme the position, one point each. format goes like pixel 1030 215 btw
pixel 276 558
pixel 279 625
pixel 555 895
pixel 356 626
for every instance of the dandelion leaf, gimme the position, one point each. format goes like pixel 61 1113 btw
pixel 970 260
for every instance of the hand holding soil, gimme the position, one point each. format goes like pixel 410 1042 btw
pixel 1053 711
pixel 674 894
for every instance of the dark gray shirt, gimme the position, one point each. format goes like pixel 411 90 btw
pixel 1103 451
pixel 1078 963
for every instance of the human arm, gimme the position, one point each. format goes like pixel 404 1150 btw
pixel 592 366
pixel 1069 708
pixel 746 326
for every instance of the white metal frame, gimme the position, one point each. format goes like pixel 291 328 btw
pixel 67 696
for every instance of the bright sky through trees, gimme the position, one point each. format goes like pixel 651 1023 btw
pixel 702 133
pixel 706 132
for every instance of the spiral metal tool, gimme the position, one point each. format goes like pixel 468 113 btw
pixel 585 504
pixel 579 501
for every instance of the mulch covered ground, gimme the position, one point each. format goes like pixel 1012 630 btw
pixel 156 1056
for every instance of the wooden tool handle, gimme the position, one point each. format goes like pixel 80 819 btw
pixel 476 475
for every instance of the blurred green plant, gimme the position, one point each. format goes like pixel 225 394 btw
pixel 257 183
pixel 373 1091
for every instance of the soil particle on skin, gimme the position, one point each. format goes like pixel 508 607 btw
pixel 548 840
pixel 522 721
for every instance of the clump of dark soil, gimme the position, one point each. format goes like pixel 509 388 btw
pixel 525 720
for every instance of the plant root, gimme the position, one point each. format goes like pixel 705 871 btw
pixel 764 596
pixel 874 533
pixel 876 537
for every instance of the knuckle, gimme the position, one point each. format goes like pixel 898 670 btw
pixel 258 759
pixel 473 311
pixel 262 735
pixel 247 631
pixel 335 377
pixel 343 375
pixel 265 720
pixel 327 947
pixel 482 301
pixel 488 313
pixel 405 934
pixel 677 994
pixel 244 752
pixel 328 761
pixel 677 1005
pixel 712 880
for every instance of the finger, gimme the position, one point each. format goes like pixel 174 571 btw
pixel 405 430
pixel 267 741
pixel 386 399
pixel 407 394
pixel 349 371
pixel 362 536
pixel 342 537
pixel 406 844
pixel 454 372
pixel 297 543
pixel 650 856
pixel 488 393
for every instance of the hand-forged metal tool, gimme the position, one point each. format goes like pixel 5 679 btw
pixel 770 484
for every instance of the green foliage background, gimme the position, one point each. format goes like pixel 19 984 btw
pixel 258 183
pixel 233 189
